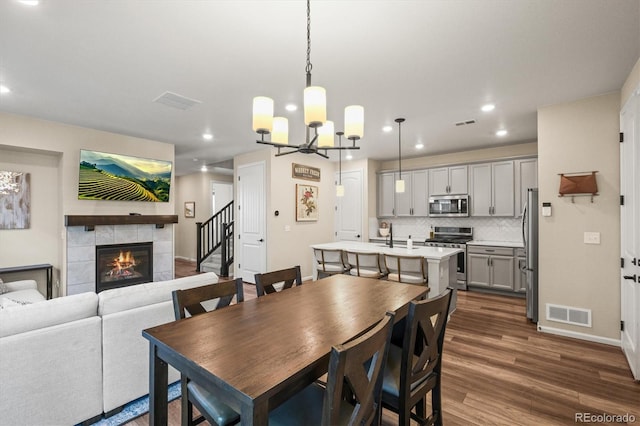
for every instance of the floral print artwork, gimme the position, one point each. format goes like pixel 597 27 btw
pixel 306 203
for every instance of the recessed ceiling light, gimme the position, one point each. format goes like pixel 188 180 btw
pixel 207 136
pixel 195 159
pixel 501 132
pixel 29 2
pixel 203 168
pixel 291 107
pixel 488 107
pixel 387 128
pixel 419 145
pixel 4 89
pixel 349 156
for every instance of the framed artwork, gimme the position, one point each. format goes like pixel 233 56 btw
pixel 15 200
pixel 306 203
pixel 189 209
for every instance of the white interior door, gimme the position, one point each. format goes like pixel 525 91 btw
pixel 349 208
pixel 630 232
pixel 221 195
pixel 251 218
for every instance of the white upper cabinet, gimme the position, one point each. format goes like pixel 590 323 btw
pixel 412 202
pixel 448 180
pixel 526 177
pixel 386 194
pixel 492 189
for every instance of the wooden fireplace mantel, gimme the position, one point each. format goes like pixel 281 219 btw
pixel 143 219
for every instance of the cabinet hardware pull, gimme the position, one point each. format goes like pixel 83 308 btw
pixel 630 277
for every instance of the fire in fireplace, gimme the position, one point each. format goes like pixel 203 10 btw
pixel 120 265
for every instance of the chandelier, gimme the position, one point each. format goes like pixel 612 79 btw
pixel 9 182
pixel 319 130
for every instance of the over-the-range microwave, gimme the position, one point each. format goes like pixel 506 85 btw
pixel 449 205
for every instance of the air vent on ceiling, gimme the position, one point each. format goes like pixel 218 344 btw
pixel 466 122
pixel 174 100
pixel 569 315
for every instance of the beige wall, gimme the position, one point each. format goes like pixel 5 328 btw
pixel 473 156
pixel 581 136
pixel 194 187
pixel 51 152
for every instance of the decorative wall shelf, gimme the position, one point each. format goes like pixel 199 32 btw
pixel 73 220
pixel 578 184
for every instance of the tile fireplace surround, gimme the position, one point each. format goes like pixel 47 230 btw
pixel 81 251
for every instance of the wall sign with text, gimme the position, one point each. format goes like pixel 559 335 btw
pixel 299 171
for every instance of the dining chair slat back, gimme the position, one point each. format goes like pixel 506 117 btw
pixel 266 283
pixel 195 301
pixel 415 369
pixel 191 300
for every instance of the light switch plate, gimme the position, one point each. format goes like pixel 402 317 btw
pixel 592 238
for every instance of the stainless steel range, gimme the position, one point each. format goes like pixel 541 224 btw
pixel 453 237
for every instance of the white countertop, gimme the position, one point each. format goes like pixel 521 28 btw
pixel 513 244
pixel 436 253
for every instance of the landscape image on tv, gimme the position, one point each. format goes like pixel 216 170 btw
pixel 117 177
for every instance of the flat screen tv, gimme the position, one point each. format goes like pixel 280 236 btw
pixel 118 177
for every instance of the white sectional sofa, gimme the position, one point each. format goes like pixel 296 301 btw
pixel 69 360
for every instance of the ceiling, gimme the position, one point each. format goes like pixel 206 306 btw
pixel 101 64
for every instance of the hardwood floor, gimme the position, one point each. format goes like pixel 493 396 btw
pixel 498 370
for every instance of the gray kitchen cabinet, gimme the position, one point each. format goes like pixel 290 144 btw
pixel 519 273
pixel 386 194
pixel 449 180
pixel 490 267
pixel 412 202
pixel 526 171
pixel 492 189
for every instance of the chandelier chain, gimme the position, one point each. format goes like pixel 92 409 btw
pixel 309 66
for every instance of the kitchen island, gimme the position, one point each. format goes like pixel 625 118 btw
pixel 441 262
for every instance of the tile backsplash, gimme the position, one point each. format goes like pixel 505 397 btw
pixel 484 228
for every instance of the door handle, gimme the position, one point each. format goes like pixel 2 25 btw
pixel 358 236
pixel 630 277
pixel 261 240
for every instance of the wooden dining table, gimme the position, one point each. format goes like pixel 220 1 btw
pixel 256 354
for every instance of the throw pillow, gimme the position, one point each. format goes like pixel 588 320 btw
pixel 3 287
pixel 6 302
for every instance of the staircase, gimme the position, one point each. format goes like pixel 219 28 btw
pixel 214 250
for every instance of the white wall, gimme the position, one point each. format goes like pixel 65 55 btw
pixel 581 136
pixel 194 187
pixel 53 161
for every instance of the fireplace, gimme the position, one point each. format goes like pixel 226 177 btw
pixel 121 265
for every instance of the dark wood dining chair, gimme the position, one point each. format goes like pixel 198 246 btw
pixel 196 301
pixel 330 262
pixel 354 383
pixel 414 370
pixel 266 283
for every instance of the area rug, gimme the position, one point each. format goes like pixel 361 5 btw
pixel 137 408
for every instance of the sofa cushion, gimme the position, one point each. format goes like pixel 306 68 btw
pixel 47 313
pixel 23 296
pixel 126 298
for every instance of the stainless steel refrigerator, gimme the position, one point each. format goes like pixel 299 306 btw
pixel 530 239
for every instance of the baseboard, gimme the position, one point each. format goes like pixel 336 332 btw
pixel 580 336
pixel 309 278
pixel 184 258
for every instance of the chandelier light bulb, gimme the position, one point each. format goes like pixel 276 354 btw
pixel 280 132
pixel 262 114
pixel 354 122
pixel 326 135
pixel 315 106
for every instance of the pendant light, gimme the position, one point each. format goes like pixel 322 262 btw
pixel 319 131
pixel 400 181
pixel 339 187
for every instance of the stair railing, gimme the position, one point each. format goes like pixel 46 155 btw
pixel 210 236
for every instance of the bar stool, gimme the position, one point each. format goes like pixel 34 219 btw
pixel 406 269
pixel 365 264
pixel 330 262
